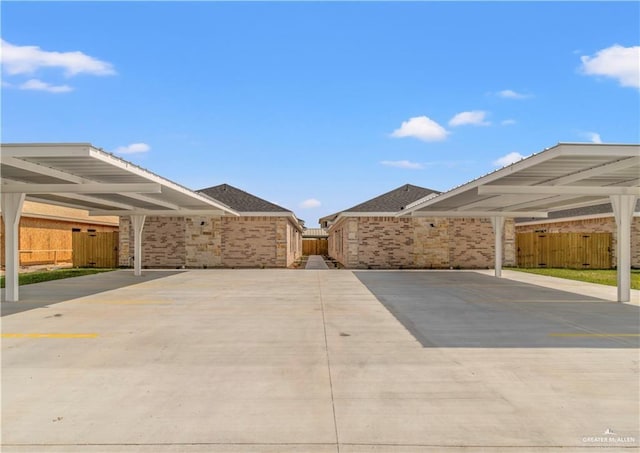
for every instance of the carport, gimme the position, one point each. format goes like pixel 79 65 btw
pixel 79 175
pixel 568 175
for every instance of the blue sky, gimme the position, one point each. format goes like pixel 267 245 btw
pixel 319 106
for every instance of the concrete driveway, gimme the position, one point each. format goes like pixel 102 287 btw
pixel 313 361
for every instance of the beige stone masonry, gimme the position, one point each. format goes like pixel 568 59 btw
pixel 418 243
pixel 210 242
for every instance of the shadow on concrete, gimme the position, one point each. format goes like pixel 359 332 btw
pixel 40 295
pixel 460 309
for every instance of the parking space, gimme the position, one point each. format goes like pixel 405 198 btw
pixel 468 309
pixel 316 361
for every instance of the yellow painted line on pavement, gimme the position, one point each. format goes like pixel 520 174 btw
pixel 49 335
pixel 594 334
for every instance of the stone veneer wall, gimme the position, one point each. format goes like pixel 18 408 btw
pixel 197 242
pixel 250 242
pixel 343 242
pixel 385 242
pixel 293 244
pixel 163 242
pixel 421 243
pixel 203 243
pixel 473 243
pixel 597 225
pixel 431 242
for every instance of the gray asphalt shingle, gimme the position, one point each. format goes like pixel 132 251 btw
pixel 392 201
pixel 240 200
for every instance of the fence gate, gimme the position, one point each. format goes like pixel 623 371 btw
pixel 95 249
pixel 565 250
pixel 315 247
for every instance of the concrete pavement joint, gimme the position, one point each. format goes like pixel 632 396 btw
pixel 326 345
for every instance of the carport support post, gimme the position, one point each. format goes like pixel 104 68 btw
pixel 137 221
pixel 623 206
pixel 498 228
pixel 11 210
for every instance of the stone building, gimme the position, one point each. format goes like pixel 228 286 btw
pixel 371 236
pixel 263 235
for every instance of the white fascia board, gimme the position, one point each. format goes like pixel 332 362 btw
pixel 21 150
pixel 604 215
pixel 487 214
pixel 352 214
pixel 265 214
pixel 158 212
pixel 288 214
pixel 29 188
pixel 367 214
pixel 68 219
pixel 608 149
pixel 558 190
pixel 569 219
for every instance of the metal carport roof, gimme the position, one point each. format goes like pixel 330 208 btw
pixel 568 175
pixel 80 175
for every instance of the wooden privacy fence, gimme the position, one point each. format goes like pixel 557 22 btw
pixel 564 250
pixel 315 247
pixel 95 249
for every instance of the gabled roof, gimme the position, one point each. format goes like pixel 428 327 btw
pixel 242 201
pixel 390 202
pixel 394 200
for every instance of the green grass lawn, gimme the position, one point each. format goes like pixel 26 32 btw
pixel 603 277
pixel 45 276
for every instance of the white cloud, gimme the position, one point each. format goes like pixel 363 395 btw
pixel 422 128
pixel 508 159
pixel 39 85
pixel 403 164
pixel 618 62
pixel 508 122
pixel 28 59
pixel 474 117
pixel 510 94
pixel 593 136
pixel 133 148
pixel 310 203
